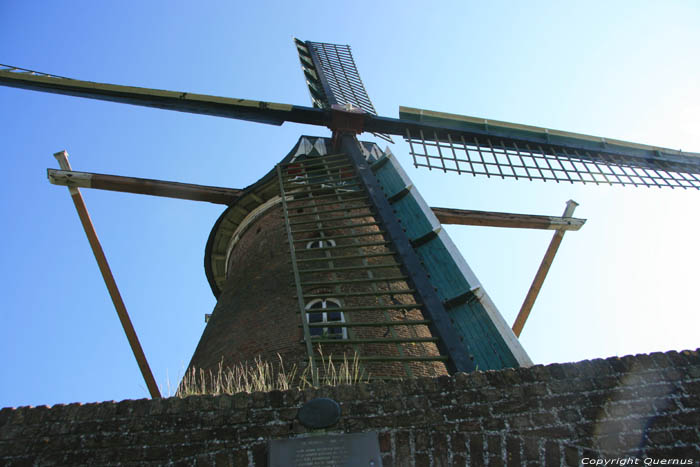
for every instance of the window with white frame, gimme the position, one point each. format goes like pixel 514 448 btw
pixel 321 310
pixel 320 243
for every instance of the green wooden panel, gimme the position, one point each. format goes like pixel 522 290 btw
pixel 471 320
pixel 391 180
pixel 412 218
pixel 483 337
pixel 441 266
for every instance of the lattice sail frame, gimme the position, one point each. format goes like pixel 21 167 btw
pixel 462 144
pixel 332 77
pixel 343 79
pixel 455 153
pixel 542 162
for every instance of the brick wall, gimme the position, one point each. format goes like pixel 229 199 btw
pixel 639 410
pixel 257 313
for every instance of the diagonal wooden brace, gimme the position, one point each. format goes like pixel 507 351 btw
pixel 541 273
pixel 111 284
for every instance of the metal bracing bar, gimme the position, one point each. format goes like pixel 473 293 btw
pixel 313 205
pixel 328 254
pixel 334 219
pixel 350 268
pixel 338 237
pixel 297 281
pixel 340 258
pixel 314 159
pixel 338 170
pixel 316 177
pixel 372 293
pixel 377 324
pixel 111 284
pixel 326 211
pixel 348 196
pixel 385 314
pixel 144 186
pixel 355 281
pixel 350 333
pixel 345 226
pixel 335 203
pixel 322 188
pixel 345 247
pixel 541 273
pixel 329 170
pixel 503 219
pixel 319 184
pixel 316 169
pixel 379 340
pixel 409 306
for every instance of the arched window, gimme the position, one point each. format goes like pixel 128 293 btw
pixel 321 310
pixel 320 243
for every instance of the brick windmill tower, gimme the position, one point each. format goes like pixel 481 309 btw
pixel 335 252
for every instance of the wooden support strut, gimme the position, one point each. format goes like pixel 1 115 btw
pixel 144 186
pixel 228 196
pixel 504 219
pixel 111 284
pixel 541 273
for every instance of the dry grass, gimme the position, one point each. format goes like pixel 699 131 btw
pixel 264 376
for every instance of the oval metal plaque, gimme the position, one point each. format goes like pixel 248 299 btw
pixel 319 413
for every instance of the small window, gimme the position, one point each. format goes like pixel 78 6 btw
pixel 325 314
pixel 298 180
pixel 320 243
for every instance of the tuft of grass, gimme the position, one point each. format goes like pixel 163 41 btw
pixel 263 376
pixel 349 372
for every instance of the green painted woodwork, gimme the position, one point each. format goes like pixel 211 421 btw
pixel 486 340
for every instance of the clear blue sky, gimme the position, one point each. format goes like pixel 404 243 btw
pixel 626 283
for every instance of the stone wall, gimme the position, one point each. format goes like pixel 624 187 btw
pixel 636 410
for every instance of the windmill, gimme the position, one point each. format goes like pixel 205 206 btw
pixel 445 142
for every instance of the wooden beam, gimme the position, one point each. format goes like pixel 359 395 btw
pixel 227 196
pixel 255 111
pixel 502 219
pixel 111 284
pixel 541 273
pixel 144 186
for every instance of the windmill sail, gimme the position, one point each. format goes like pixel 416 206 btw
pixel 241 109
pixel 475 146
pixel 332 77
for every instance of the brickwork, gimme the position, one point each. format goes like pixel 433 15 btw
pixel 257 313
pixel 643 410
